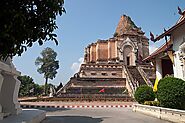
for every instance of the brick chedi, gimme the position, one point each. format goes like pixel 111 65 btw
pixel 129 45
pixel 114 64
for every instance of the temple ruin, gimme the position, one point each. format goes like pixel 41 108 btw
pixel 114 65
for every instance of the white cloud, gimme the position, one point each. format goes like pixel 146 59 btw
pixel 152 48
pixel 76 65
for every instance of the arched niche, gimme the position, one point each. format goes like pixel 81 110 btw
pixel 128 55
pixel 128 48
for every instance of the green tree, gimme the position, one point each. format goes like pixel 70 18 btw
pixel 38 90
pixel 26 86
pixel 48 65
pixel 144 93
pixel 171 92
pixel 24 22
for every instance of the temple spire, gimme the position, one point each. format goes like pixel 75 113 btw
pixel 125 24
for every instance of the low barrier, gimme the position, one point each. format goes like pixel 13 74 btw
pixel 172 115
pixel 83 97
pixel 75 106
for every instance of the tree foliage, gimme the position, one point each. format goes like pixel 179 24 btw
pixel 28 87
pixel 171 93
pixel 144 93
pixel 48 64
pixel 24 22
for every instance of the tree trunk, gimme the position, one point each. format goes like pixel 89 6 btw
pixel 45 87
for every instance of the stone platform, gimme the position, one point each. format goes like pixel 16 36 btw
pixel 27 116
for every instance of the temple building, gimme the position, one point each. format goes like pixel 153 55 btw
pixel 169 59
pixel 114 65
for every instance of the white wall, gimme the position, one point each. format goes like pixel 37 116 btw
pixel 158 69
pixel 178 38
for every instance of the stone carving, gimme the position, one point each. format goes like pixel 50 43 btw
pixel 182 50
pixel 76 75
pixel 52 91
pixel 182 56
pixel 9 88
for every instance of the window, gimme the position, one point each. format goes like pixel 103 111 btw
pixel 114 74
pixel 93 74
pixel 104 74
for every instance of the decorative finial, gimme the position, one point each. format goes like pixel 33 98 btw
pixel 152 36
pixel 180 11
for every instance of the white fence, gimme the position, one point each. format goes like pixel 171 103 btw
pixel 172 115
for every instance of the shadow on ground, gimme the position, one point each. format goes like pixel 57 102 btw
pixel 71 119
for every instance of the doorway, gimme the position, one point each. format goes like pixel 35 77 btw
pixel 128 60
pixel 128 55
pixel 167 67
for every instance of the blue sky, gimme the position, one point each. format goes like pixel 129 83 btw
pixel 89 20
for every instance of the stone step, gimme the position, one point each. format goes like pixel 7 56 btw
pixel 136 75
pixel 27 116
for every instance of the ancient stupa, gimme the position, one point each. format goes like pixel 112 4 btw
pixel 114 66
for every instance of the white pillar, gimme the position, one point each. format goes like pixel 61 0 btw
pixel 9 88
pixel 133 58
pixel 9 94
pixel 158 69
pixel 15 95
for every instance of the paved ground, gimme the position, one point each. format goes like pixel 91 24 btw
pixel 97 115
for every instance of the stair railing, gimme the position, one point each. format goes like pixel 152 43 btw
pixel 145 76
pixel 130 80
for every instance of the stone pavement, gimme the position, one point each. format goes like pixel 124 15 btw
pixel 27 116
pixel 97 115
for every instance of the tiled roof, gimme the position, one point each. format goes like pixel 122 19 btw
pixel 161 49
pixel 179 23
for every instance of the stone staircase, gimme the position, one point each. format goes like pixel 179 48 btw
pixel 95 90
pixel 94 85
pixel 145 76
pixel 137 77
